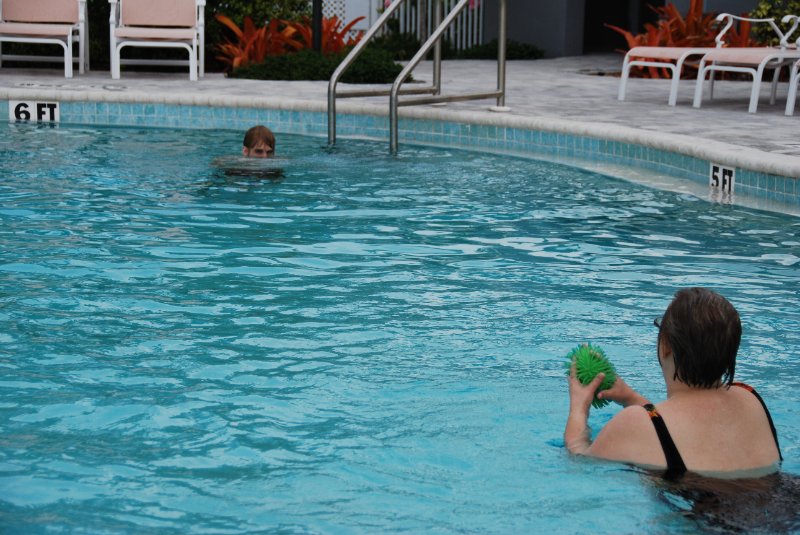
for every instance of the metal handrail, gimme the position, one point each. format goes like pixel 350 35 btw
pixel 433 89
pixel 434 42
pixel 435 38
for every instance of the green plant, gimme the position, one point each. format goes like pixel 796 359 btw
pixel 258 10
pixel 372 66
pixel 696 29
pixel 514 50
pixel 776 9
pixel 403 46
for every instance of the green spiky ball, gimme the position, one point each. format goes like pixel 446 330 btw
pixel 589 361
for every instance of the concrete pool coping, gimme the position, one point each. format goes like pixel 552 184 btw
pixel 562 96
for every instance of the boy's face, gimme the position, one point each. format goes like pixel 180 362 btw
pixel 260 150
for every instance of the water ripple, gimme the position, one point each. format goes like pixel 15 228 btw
pixel 368 344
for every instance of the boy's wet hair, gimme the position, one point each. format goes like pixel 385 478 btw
pixel 703 331
pixel 259 134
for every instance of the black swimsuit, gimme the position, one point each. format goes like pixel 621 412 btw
pixel 675 465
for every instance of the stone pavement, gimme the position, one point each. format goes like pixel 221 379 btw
pixel 581 89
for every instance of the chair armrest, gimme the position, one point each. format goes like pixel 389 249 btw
pixel 795 20
pixel 730 18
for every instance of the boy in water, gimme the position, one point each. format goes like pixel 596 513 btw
pixel 259 142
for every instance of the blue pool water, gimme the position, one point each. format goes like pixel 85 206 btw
pixel 368 344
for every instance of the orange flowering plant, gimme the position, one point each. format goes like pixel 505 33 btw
pixel 335 37
pixel 251 44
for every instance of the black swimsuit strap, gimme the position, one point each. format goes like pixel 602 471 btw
pixel 675 464
pixel 766 410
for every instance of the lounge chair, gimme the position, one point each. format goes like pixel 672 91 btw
pixel 794 80
pixel 674 58
pixel 159 24
pixel 753 61
pixel 60 22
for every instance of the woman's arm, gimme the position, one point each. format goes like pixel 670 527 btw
pixel 576 433
pixel 577 437
pixel 623 394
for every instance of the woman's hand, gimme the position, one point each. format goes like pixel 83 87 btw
pixel 623 394
pixel 576 433
pixel 580 395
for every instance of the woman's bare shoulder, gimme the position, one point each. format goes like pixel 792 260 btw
pixel 629 436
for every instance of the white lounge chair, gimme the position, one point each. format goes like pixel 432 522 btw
pixel 60 22
pixel 753 61
pixel 673 58
pixel 159 24
pixel 794 80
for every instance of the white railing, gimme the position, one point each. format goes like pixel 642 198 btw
pixel 466 31
pixel 432 43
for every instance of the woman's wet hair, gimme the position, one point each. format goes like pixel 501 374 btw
pixel 703 331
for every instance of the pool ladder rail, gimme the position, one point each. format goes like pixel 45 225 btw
pixel 434 42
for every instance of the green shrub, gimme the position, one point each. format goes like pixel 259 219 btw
pixel 258 10
pixel 514 50
pixel 403 46
pixel 776 9
pixel 373 66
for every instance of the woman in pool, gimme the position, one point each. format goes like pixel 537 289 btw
pixel 708 424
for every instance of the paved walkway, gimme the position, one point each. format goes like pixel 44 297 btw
pixel 566 89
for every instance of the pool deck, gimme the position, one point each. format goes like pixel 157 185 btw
pixel 564 94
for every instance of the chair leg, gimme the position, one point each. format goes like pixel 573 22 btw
pixel 794 78
pixel 698 86
pixel 773 96
pixel 81 55
pixel 623 80
pixel 85 39
pixel 1 54
pixel 86 58
pixel 115 53
pixel 202 56
pixel 673 86
pixel 711 85
pixel 755 92
pixel 193 63
pixel 68 57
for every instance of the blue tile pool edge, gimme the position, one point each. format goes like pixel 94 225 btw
pixel 760 176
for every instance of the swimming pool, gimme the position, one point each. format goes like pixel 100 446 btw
pixel 366 344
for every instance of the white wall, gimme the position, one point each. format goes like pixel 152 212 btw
pixel 556 26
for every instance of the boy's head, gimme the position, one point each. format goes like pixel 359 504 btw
pixel 259 142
